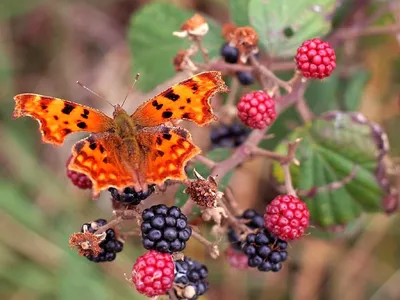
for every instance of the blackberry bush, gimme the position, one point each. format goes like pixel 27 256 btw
pixel 164 229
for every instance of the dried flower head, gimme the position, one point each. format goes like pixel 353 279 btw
pixel 183 62
pixel 227 31
pixel 195 27
pixel 87 243
pixel 246 40
pixel 203 191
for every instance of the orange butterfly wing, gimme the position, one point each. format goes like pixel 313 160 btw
pixel 189 99
pixel 103 158
pixel 58 118
pixel 166 152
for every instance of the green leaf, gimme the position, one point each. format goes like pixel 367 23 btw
pixel 217 155
pixel 332 145
pixel 153 46
pixel 239 11
pixel 305 19
pixel 354 90
pixel 11 8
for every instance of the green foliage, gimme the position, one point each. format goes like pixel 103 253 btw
pixel 10 8
pixel 218 154
pixel 239 10
pixel 306 18
pixel 153 46
pixel 332 145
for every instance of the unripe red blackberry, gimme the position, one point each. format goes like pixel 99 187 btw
pixel 153 273
pixel 256 109
pixel 78 179
pixel 287 217
pixel 315 59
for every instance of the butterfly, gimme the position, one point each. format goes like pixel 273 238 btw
pixel 128 150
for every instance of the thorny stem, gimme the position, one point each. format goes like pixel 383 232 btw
pixel 109 225
pixel 288 180
pixel 201 239
pixel 230 198
pixel 232 93
pixel 304 111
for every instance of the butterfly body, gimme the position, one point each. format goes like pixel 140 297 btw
pixel 128 150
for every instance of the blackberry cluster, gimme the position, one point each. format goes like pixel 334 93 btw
pixel 265 251
pixel 129 196
pixel 164 229
pixel 229 135
pixel 111 246
pixel 255 220
pixel 190 273
pixel 231 56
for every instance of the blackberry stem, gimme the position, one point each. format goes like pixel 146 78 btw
pixel 205 161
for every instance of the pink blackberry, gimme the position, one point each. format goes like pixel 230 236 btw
pixel 287 217
pixel 315 59
pixel 78 179
pixel 256 110
pixel 153 273
pixel 236 259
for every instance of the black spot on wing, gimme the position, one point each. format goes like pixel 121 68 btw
pixel 188 100
pixel 158 140
pixel 81 125
pixel 67 131
pixel 66 122
pixel 101 148
pixel 169 94
pixel 186 116
pixel 105 160
pixel 160 153
pixel 93 146
pixel 55 118
pixel 181 132
pixel 182 107
pixel 85 114
pixel 43 106
pixel 194 86
pixel 167 114
pixel 78 146
pixel 67 108
pixel 167 136
pixel 156 105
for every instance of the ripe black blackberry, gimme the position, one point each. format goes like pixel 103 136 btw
pixel 130 196
pixel 111 246
pixel 229 53
pixel 245 78
pixel 265 251
pixel 164 229
pixel 229 135
pixel 255 220
pixel 190 279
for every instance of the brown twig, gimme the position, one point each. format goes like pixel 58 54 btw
pixel 351 33
pixel 304 111
pixel 212 247
pixel 202 50
pixel 110 224
pixel 205 161
pixel 231 201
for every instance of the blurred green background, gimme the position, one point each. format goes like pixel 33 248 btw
pixel 45 46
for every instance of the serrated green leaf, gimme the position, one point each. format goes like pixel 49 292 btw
pixel 332 145
pixel 153 46
pixel 306 19
pixel 239 11
pixel 216 155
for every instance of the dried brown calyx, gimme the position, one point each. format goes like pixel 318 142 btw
pixel 87 243
pixel 204 191
pixel 246 40
pixel 227 31
pixel 195 27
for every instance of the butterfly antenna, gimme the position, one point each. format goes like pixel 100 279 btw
pixel 131 88
pixel 94 93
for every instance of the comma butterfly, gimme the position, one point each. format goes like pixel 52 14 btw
pixel 128 150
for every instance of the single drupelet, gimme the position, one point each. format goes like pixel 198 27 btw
pixel 164 229
pixel 190 279
pixel 287 217
pixel 315 58
pixel 153 273
pixel 110 246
